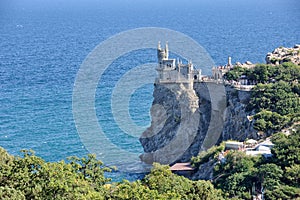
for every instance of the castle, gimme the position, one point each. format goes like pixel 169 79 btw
pixel 172 71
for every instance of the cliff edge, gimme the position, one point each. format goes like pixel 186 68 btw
pixel 187 121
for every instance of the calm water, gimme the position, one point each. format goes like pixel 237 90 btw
pixel 42 46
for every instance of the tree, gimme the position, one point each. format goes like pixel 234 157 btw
pixel 90 169
pixel 234 176
pixel 293 175
pixel 24 174
pixel 7 193
pixel 269 122
pixel 235 73
pixel 287 149
pixel 269 176
pixel 133 190
pixel 173 186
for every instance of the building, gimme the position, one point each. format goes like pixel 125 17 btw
pixel 171 70
pixel 234 145
pixel 220 71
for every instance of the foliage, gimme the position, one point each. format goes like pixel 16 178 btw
pixel 235 73
pixel 7 193
pixel 293 174
pixel 205 156
pixel 30 177
pixel 277 97
pixel 239 177
pixel 36 179
pixel 90 169
pixel 234 176
pixel 283 192
pixel 173 186
pixel 263 73
pixel 278 177
pixel 287 149
pixel 268 121
pixel 132 190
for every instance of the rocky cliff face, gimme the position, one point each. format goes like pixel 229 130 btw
pixel 186 121
pixel 238 124
pixel 175 117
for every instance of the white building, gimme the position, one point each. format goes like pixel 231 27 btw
pixel 172 71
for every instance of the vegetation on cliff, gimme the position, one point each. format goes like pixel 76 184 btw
pixel 239 176
pixel 275 100
pixel 276 95
pixel 265 73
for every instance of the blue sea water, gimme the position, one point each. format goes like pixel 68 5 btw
pixel 43 43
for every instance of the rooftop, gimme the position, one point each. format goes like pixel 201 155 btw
pixel 182 167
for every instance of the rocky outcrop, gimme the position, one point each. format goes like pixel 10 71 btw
pixel 175 119
pixel 238 124
pixel 283 54
pixel 187 121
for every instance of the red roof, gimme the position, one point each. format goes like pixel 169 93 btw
pixel 182 167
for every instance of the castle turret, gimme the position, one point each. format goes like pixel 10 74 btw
pixel 161 53
pixel 167 50
pixel 170 71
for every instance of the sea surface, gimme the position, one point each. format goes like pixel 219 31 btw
pixel 43 44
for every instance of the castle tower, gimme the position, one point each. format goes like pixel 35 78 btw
pixel 158 45
pixel 162 54
pixel 167 51
pixel 229 62
pixel 171 71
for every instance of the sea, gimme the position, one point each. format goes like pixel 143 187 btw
pixel 43 45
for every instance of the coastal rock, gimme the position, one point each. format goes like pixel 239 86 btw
pixel 283 54
pixel 173 131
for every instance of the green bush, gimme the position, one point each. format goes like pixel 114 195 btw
pixel 205 156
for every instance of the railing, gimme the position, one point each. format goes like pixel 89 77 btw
pixel 208 80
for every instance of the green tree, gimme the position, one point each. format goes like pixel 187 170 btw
pixel 134 191
pixel 293 175
pixel 24 173
pixel 283 192
pixel 268 121
pixel 90 169
pixel 234 176
pixel 7 193
pixel 173 186
pixel 269 176
pixel 235 73
pixel 287 149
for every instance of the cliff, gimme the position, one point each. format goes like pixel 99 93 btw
pixel 187 121
pixel 175 118
pixel 237 125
